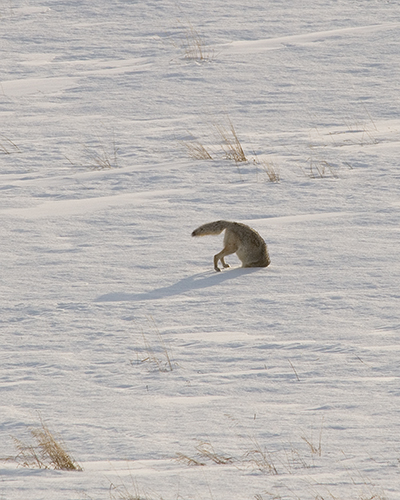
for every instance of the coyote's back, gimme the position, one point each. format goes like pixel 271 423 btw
pixel 240 238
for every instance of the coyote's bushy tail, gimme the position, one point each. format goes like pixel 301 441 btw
pixel 212 228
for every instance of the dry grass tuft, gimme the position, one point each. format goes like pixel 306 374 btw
pixel 197 151
pixel 269 169
pixel 101 158
pixel 122 492
pixel 294 460
pixel 157 356
pixel 193 45
pixel 316 449
pixel 46 453
pixel 98 156
pixel 205 453
pixel 161 359
pixel 259 459
pixel 319 169
pixel 230 143
pixel 206 450
pixel 186 460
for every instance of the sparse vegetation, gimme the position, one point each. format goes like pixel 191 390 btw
pixel 156 355
pixel 294 370
pixel 46 452
pixel 197 151
pixel 255 459
pixel 232 150
pixel 259 459
pixel 319 169
pixel 361 132
pixel 159 357
pixel 101 158
pixel 316 449
pixel 193 45
pixel 7 146
pixel 231 145
pixel 186 460
pixel 294 460
pixel 268 168
pixel 123 492
pixel 207 451
pixel 97 156
pixel 271 171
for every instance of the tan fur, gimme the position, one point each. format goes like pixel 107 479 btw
pixel 247 243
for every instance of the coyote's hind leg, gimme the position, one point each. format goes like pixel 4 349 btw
pixel 227 250
pixel 216 259
pixel 224 264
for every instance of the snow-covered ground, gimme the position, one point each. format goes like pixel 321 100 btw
pixel 115 329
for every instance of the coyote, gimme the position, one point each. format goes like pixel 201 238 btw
pixel 247 243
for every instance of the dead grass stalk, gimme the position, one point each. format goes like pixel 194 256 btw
pixel 319 169
pixel 268 168
pixel 101 158
pixel 207 451
pixel 259 459
pixel 193 45
pixel 46 452
pixel 197 151
pixel 7 146
pixel 157 356
pixel 231 145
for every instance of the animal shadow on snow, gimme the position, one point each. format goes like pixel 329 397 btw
pixel 195 282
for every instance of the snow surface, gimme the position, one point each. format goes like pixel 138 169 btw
pixel 100 278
